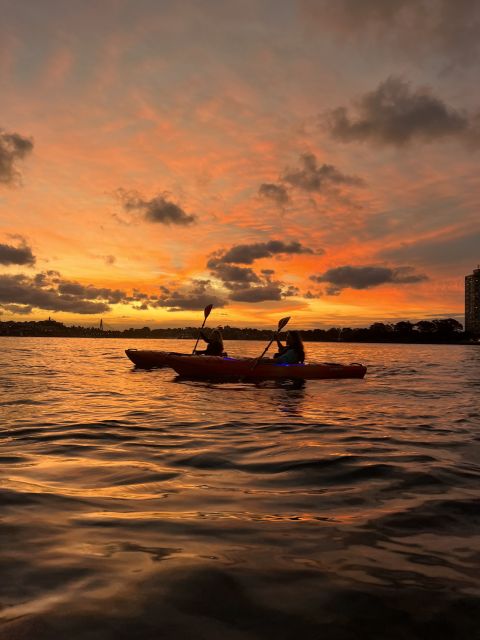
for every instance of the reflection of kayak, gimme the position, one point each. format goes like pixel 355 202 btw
pixel 234 368
pixel 149 359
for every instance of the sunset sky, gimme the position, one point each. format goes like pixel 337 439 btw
pixel 274 157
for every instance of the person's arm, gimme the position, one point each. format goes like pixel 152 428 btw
pixel 282 348
pixel 204 337
pixel 279 344
pixel 287 357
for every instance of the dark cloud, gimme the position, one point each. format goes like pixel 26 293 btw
pixel 276 192
pixel 48 290
pixel 139 295
pixel 366 277
pixel 270 291
pixel 17 309
pixel 13 147
pixel 45 278
pixel 412 27
pixel 193 297
pixel 23 290
pixel 396 114
pixel 113 296
pixel 158 210
pixel 243 283
pixel 311 177
pixel 248 253
pixel 231 274
pixel 290 291
pixel 16 255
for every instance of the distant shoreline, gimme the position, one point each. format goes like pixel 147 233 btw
pixel 319 341
pixel 447 331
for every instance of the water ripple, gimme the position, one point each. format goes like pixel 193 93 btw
pixel 135 504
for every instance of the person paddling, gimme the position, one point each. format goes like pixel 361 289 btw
pixel 292 352
pixel 214 343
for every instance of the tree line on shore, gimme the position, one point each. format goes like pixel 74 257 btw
pixel 425 331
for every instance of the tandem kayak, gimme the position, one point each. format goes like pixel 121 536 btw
pixel 234 368
pixel 149 359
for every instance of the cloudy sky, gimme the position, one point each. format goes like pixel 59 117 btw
pixel 273 157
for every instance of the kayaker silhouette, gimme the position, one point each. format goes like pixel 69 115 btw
pixel 292 352
pixel 214 343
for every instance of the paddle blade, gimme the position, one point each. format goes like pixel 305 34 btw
pixel 282 323
pixel 206 311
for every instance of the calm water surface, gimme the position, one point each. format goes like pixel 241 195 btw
pixel 136 505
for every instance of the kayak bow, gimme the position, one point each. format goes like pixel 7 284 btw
pixel 149 359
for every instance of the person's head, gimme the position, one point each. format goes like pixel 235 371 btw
pixel 216 336
pixel 294 340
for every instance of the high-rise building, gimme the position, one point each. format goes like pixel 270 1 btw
pixel 472 302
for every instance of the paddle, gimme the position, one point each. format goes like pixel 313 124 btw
pixel 281 324
pixel 206 313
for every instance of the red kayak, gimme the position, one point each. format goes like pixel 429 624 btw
pixel 234 368
pixel 149 359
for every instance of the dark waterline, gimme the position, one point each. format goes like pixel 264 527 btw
pixel 135 505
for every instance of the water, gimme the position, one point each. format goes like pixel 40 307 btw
pixel 135 505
